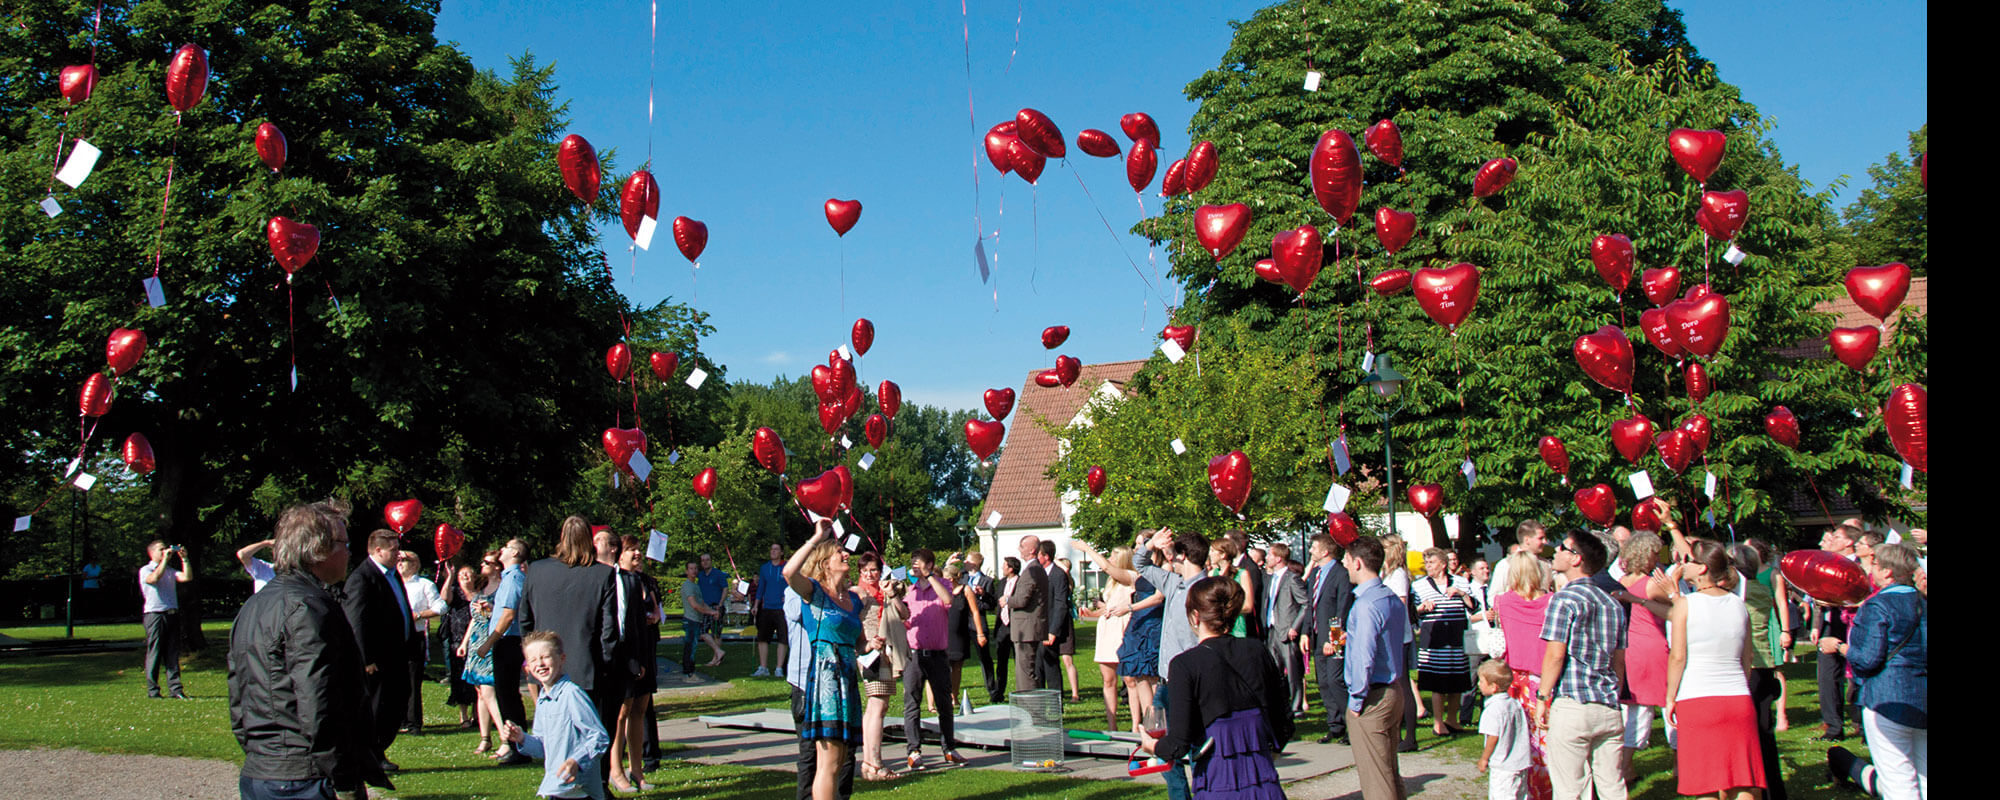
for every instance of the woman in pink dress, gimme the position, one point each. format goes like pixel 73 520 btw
pixel 1650 593
pixel 1519 610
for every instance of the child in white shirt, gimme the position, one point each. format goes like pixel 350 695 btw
pixel 1505 759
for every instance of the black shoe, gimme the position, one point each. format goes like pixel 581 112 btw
pixel 390 766
pixel 155 696
pixel 1332 739
pixel 653 765
pixel 1408 747
pixel 514 759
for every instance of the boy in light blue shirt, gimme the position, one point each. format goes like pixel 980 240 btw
pixel 568 736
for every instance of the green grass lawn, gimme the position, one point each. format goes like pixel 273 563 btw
pixel 96 701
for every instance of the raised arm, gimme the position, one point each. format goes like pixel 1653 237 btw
pixel 1677 654
pixel 799 582
pixel 249 551
pixel 1112 571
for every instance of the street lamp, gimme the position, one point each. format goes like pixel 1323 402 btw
pixel 1385 380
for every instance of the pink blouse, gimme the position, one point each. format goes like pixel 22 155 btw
pixel 1521 623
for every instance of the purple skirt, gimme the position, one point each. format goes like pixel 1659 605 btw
pixel 1238 763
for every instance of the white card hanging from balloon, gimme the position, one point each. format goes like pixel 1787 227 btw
pixel 979 259
pixel 1471 473
pixel 814 517
pixel 867 460
pixel 1711 517
pixel 1180 447
pixel 641 468
pixel 156 295
pixel 1312 81
pixel 1909 479
pixel 839 529
pixel 614 480
pixel 993 521
pixel 74 465
pixel 295 378
pixel 742 587
pixel 84 481
pixel 656 546
pixel 1733 255
pixel 1893 537
pixel 1341 462
pixel 1642 484
pixel 852 545
pixel 899 573
pixel 846 354
pixel 1368 361
pixel 644 238
pixel 21 523
pixel 845 442
pixel 81 161
pixel 1173 351
pixel 695 377
pixel 1708 485
pixel 50 206
pixel 1336 499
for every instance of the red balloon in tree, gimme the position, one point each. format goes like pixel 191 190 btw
pixel 1391 282
pixel 1386 142
pixel 1229 478
pixel 876 429
pixel 1700 326
pixel 293 244
pixel 77 82
pixel 621 443
pixel 1182 335
pixel 1879 290
pixel 1660 332
pixel 769 450
pixel 1298 254
pixel 1556 455
pixel 1661 284
pixel 1698 426
pixel 1201 166
pixel 1176 180
pixel 1221 228
pixel 1632 436
pixel 1493 176
pixel 1597 504
pixel 402 515
pixel 1394 228
pixel 271 147
pixel 1341 527
pixel 1722 213
pixel 705 481
pixel 638 201
pixel 1426 498
pixel 1606 356
pixel 889 397
pixel 618 361
pixel 1447 295
pixel 124 349
pixel 1697 382
pixel 138 453
pixel 819 494
pixel 1094 481
pixel 1698 152
pixel 1612 255
pixel 95 398
pixel 580 170
pixel 1782 427
pixel 1677 448
pixel 187 77
pixel 1336 175
pixel 842 214
pixel 664 364
pixel 1855 347
pixel 1907 416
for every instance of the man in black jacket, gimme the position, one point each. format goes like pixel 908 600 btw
pixel 380 616
pixel 1328 596
pixel 295 682
pixel 1062 598
pixel 577 598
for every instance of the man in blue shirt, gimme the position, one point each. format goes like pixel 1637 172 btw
pixel 504 642
pixel 767 604
pixel 714 584
pixel 1376 623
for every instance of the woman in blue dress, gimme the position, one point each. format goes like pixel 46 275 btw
pixel 479 668
pixel 1139 652
pixel 831 617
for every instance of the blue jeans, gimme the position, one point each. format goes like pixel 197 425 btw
pixel 261 789
pixel 691 631
pixel 1176 775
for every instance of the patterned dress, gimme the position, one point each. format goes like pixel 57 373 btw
pixel 833 693
pixel 478 668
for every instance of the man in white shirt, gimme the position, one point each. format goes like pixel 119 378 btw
pixel 425 605
pixel 1529 537
pixel 261 572
pixel 161 612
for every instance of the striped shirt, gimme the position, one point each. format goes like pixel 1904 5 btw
pixel 1591 627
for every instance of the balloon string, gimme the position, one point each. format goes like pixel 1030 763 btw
pixel 160 236
pixel 291 329
pixel 87 434
pixel 1704 262
pixel 1464 438
pixel 843 275
pixel 1020 11
pixel 1121 245
pixel 1035 223
pixel 999 218
pixel 971 119
pixel 50 189
pixel 652 66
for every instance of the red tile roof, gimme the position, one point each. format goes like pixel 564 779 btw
pixel 1851 316
pixel 1020 492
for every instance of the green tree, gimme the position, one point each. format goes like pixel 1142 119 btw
pixel 1890 220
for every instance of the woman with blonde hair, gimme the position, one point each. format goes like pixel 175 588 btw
pixel 831 617
pixel 1112 611
pixel 1138 650
pixel 1396 576
pixel 1520 606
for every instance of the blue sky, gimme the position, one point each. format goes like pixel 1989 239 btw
pixel 763 111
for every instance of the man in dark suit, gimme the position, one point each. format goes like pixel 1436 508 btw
pixel 577 598
pixel 1029 612
pixel 380 615
pixel 1329 594
pixel 1284 615
pixel 1062 598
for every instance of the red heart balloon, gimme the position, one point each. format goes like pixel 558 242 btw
pixel 1700 326
pixel 1094 481
pixel 1054 335
pixel 446 540
pixel 402 515
pixel 842 214
pixel 138 453
pixel 1201 165
pixel 1390 282
pixel 1555 454
pixel 1267 270
pixel 618 361
pixel 1426 498
pixel 1597 504
pixel 876 428
pixel 1176 180
pixel 124 349
pixel 1698 426
pixel 822 382
pixel 1048 379
pixel 1097 143
pixel 1606 356
pixel 1612 254
pixel 664 364
pixel 1336 175
pixel 1138 126
pixel 1493 176
pixel 271 147
pixel 691 237
pixel 819 494
pixel 1696 292
pixel 1660 332
pixel 1722 213
pixel 1632 436
pixel 1140 164
pixel 999 402
pixel 1341 527
pixel 1026 162
pixel 1907 416
pixel 1855 347
pixel 621 443
pixel 1036 130
pixel 705 481
pixel 997 139
pixel 1067 370
pixel 1646 517
pixel 293 244
pixel 1229 478
pixel 831 414
pixel 1182 335
pixel 846 486
pixel 1676 449
pixel 95 398
pixel 1825 576
pixel 1698 152
pixel 769 450
pixel 1386 142
pixel 638 201
pixel 863 336
pixel 853 403
pixel 984 437
pixel 1298 254
pixel 1697 382
pixel 1394 228
pixel 580 170
pixel 1221 228
pixel 889 397
pixel 1448 294
pixel 187 77
pixel 77 82
pixel 1660 284
pixel 1879 290
pixel 1782 427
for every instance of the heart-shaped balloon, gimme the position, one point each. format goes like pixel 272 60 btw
pixel 138 453
pixel 1298 254
pixel 1036 130
pixel 691 237
pixel 1907 416
pixel 1660 332
pixel 446 540
pixel 580 170
pixel 1140 164
pixel 846 486
pixel 1606 356
pixel 1097 143
pixel 1825 576
pixel 1229 478
pixel 1026 162
pixel 664 364
pixel 1267 270
pixel 844 379
pixel 1555 454
pixel 1493 176
pixel 1394 228
pixel 876 429
pixel 1386 142
pixel 1068 370
pixel 293 244
pixel 853 403
pixel 1176 180
pixel 618 361
pixel 1201 166
pixel 1612 255
pixel 1390 283
pixel 77 82
pixel 705 481
pixel 889 398
pixel 1139 126
pixel 1782 427
pixel 1048 379
pixel 1182 335
pixel 1695 292
pixel 1341 527
pixel 1336 175
pixel 842 214
pixel 1855 347
pixel 1221 228
pixel 822 383
pixel 997 140
pixel 1698 152
pixel 187 77
pixel 94 400
pixel 1722 213
pixel 769 450
pixel 124 349
pixel 1426 498
pixel 621 443
pixel 1597 504
pixel 1698 426
pixel 999 402
pixel 831 414
pixel 1646 517
pixel 638 201
pixel 1632 436
pixel 1661 284
pixel 1879 290
pixel 1054 335
pixel 402 515
pixel 863 336
pixel 1697 382
pixel 984 437
pixel 1700 326
pixel 1094 481
pixel 1676 449
pixel 271 146
pixel 1448 294
pixel 819 494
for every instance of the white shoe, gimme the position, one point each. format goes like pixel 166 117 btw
pixel 761 673
pixel 780 672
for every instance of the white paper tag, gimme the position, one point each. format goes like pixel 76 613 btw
pixel 845 442
pixel 74 465
pixel 869 658
pixel 979 260
pixel 1180 448
pixel 1708 485
pixel 1341 462
pixel 853 544
pixel 695 378
pixel 846 354
pixel 839 529
pixel 1733 255
pixel 1312 81
pixel 1471 474
pixel 156 295
pixel 1909 476
pixel 21 523
pixel 641 468
pixel 656 546
pixel 81 161
pixel 1642 484
pixel 614 480
pixel 50 206
pixel 1173 351
pixel 1336 499
pixel 814 516
pixel 644 239
pixel 295 378
pixel 867 460
pixel 742 587
pixel 899 574
pixel 1893 537
pixel 674 457
pixel 84 481
pixel 993 520
pixel 1368 361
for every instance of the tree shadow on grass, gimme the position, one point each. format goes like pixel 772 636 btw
pixel 33 671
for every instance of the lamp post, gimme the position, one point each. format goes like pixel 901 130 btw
pixel 1385 380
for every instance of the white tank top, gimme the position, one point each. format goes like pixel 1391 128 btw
pixel 1715 630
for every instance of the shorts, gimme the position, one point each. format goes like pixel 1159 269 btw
pixel 770 625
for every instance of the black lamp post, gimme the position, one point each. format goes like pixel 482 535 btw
pixel 1385 380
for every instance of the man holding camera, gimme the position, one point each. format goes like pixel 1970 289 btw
pixel 161 612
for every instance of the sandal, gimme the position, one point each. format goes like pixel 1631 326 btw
pixel 873 771
pixel 484 746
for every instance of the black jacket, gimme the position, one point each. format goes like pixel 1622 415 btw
pixel 581 605
pixel 295 699
pixel 381 622
pixel 1335 595
pixel 1062 603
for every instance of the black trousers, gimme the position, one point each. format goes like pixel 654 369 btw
pixel 607 696
pixel 387 692
pixel 1332 692
pixel 985 655
pixel 809 755
pixel 413 709
pixel 507 680
pixel 1048 664
pixel 163 650
pixel 927 667
pixel 1832 673
pixel 1764 691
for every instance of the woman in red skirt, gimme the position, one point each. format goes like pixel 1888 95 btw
pixel 1708 685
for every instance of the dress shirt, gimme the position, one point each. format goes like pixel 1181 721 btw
pixel 1176 636
pixel 1375 626
pixel 1271 583
pixel 1591 627
pixel 566 727
pixel 927 628
pixel 161 596
pixel 1005 615
pixel 508 595
pixel 402 597
pixel 798 651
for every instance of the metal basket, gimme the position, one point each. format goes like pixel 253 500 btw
pixel 1035 730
